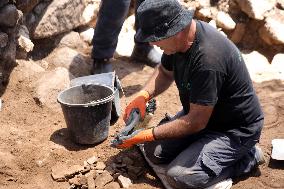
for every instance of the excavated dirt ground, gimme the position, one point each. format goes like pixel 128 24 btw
pixel 33 138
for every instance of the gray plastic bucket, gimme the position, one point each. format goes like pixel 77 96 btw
pixel 87 112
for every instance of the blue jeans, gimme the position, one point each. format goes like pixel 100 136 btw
pixel 203 159
pixel 111 16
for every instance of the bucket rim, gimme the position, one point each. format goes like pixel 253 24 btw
pixel 94 103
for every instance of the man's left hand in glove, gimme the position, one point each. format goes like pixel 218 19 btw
pixel 137 137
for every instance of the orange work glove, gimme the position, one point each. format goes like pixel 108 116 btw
pixel 137 137
pixel 138 103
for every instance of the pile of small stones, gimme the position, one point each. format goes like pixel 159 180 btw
pixel 121 172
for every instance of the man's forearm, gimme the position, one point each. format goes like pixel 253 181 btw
pixel 189 124
pixel 175 129
pixel 159 81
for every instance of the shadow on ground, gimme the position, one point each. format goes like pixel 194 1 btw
pixel 63 138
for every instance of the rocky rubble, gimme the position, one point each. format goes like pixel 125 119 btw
pixel 95 174
pixel 24 21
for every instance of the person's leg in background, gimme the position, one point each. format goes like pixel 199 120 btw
pixel 144 52
pixel 110 20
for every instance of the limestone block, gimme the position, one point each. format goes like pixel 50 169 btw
pixel 73 40
pixel 225 21
pixel 60 16
pixel 255 8
pixel 74 61
pixel 124 181
pixel 25 43
pixel 49 85
pixel 204 13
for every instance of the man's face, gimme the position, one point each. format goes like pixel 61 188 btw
pixel 169 45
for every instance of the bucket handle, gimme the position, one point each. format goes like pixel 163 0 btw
pixel 96 102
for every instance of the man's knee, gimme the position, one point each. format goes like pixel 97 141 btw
pixel 185 178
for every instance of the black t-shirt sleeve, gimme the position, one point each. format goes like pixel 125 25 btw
pixel 167 62
pixel 205 87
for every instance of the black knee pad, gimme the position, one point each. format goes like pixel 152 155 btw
pixel 152 151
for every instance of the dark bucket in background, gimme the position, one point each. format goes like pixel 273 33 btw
pixel 87 112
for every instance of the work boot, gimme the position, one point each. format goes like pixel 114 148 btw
pixel 259 156
pixel 101 66
pixel 147 54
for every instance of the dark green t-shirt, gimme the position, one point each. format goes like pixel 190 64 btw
pixel 213 73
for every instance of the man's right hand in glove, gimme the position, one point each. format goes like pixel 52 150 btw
pixel 139 102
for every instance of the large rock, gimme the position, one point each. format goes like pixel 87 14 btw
pixel 26 5
pixel 204 13
pixel 26 70
pixel 273 30
pixel 73 40
pixel 256 62
pixel 68 58
pixel 8 15
pixel 225 21
pixel 259 68
pixel 60 16
pixel 255 8
pixel 49 85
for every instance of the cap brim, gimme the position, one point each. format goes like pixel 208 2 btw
pixel 186 18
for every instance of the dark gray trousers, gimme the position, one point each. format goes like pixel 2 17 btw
pixel 203 159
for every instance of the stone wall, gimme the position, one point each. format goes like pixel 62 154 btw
pixel 10 19
pixel 251 24
pixel 22 21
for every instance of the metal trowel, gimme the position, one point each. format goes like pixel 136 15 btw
pixel 134 122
